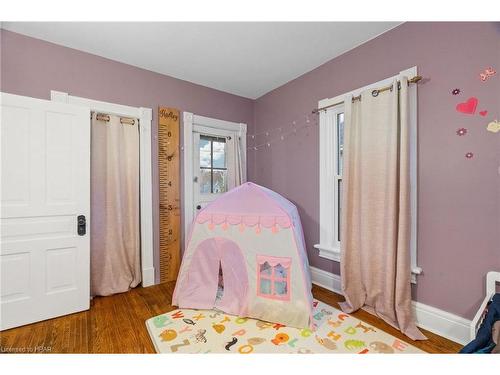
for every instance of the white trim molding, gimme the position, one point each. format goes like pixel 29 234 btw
pixel 145 117
pixel 187 175
pixel 192 123
pixel 440 322
pixel 325 279
pixel 328 247
pixel 492 278
pixel 328 252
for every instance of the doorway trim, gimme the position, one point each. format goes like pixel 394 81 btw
pixel 145 117
pixel 191 123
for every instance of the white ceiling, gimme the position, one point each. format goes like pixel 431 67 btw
pixel 246 59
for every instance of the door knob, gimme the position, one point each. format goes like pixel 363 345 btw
pixel 81 225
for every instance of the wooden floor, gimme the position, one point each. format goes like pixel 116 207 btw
pixel 115 324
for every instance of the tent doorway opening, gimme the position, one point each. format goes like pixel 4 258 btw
pixel 220 285
pixel 218 276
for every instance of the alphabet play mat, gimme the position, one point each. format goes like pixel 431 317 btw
pixel 210 331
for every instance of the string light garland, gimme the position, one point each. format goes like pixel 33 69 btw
pixel 279 134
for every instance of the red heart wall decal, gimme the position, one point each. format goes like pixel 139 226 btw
pixel 469 107
pixel 483 113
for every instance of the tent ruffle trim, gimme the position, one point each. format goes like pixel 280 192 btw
pixel 247 220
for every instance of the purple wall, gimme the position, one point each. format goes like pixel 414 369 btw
pixel 459 235
pixel 458 199
pixel 33 67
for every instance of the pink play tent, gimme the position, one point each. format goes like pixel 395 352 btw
pixel 246 256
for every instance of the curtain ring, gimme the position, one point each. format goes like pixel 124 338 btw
pixel 375 93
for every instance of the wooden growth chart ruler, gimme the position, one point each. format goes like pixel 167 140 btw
pixel 169 168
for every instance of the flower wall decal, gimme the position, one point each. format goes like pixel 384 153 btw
pixel 461 131
pixel 493 126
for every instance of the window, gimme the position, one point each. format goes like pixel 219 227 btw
pixel 213 165
pixel 331 147
pixel 273 277
pixel 331 157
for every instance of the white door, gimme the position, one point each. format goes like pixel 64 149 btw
pixel 211 167
pixel 45 197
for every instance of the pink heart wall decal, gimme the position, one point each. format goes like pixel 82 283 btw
pixel 469 107
pixel 483 113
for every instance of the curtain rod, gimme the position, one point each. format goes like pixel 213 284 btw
pixel 375 93
pixel 123 120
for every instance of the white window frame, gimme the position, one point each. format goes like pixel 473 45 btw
pixel 329 247
pixel 145 117
pixel 198 131
pixel 194 123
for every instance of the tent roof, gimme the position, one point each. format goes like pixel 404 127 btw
pixel 250 204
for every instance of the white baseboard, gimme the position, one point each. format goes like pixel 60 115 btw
pixel 325 279
pixel 440 322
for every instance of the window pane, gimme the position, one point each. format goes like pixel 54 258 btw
pixel 265 286
pixel 219 158
pixel 280 288
pixel 205 181
pixel 340 142
pixel 265 269
pixel 280 271
pixel 205 152
pixel 220 181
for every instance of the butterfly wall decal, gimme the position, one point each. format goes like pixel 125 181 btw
pixel 488 72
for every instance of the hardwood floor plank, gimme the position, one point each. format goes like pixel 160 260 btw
pixel 116 324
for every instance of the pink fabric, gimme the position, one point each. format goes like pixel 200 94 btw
pixel 199 288
pixel 234 210
pixel 235 278
pixel 249 221
pixel 274 261
pixel 196 286
pixel 272 277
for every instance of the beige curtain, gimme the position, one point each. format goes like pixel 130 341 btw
pixel 375 233
pixel 114 234
pixel 236 172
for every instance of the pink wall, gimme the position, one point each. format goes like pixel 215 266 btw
pixel 459 229
pixel 33 67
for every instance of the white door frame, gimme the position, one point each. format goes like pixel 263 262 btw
pixel 190 124
pixel 145 116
